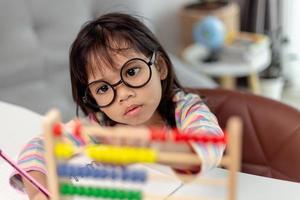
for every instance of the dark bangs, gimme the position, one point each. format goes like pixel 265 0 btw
pixel 107 43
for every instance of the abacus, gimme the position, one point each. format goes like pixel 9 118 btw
pixel 115 159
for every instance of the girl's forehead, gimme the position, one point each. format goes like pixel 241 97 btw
pixel 100 67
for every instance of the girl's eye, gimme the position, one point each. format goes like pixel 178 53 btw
pixel 102 89
pixel 133 71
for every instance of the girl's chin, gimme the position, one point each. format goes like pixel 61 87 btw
pixel 138 121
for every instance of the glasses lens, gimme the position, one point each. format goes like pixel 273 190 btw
pixel 136 73
pixel 101 92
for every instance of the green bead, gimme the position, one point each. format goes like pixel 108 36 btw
pixel 72 190
pixel 99 192
pixel 64 189
pixel 105 193
pixel 121 194
pixel 80 190
pixel 75 190
pixel 126 194
pixel 93 191
pixel 89 191
pixel 136 195
pixel 85 191
pixel 110 193
pixel 115 194
pixel 130 195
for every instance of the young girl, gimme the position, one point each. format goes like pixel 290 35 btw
pixel 121 75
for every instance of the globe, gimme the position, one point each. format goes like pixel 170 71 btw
pixel 210 33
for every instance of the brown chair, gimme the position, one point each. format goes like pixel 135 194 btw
pixel 271 134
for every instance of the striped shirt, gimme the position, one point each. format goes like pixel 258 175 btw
pixel 191 114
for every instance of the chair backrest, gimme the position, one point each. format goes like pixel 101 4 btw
pixel 271 134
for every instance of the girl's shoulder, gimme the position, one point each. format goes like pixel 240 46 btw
pixel 181 96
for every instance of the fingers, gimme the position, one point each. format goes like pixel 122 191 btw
pixel 125 136
pixel 40 196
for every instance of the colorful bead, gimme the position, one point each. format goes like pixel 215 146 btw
pixel 111 154
pixel 65 170
pixel 57 130
pixel 158 134
pixel 63 150
pixel 196 137
pixel 77 129
pixel 109 193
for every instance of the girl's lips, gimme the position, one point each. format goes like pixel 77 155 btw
pixel 133 110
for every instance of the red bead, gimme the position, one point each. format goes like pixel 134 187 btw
pixel 57 130
pixel 185 137
pixel 214 140
pixel 157 134
pixel 77 129
pixel 177 136
pixel 225 138
pixel 194 137
pixel 204 138
pixel 222 140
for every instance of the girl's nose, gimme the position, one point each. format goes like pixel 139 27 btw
pixel 124 92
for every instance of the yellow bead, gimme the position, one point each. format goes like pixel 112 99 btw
pixel 151 156
pixel 120 155
pixel 63 150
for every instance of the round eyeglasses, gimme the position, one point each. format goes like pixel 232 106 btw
pixel 135 73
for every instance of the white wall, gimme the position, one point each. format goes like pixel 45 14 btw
pixel 291 53
pixel 162 16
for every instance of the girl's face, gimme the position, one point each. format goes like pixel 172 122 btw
pixel 132 106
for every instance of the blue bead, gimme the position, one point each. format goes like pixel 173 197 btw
pixel 104 173
pixel 74 171
pixel 96 173
pixel 143 176
pixel 134 176
pixel 138 176
pixel 64 170
pixel 100 173
pixel 69 170
pixel 125 175
pixel 114 174
pixel 82 171
pixel 90 171
pixel 85 172
pixel 61 170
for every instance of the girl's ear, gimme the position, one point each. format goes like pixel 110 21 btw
pixel 161 66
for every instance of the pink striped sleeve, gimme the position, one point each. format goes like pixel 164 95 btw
pixel 192 114
pixel 31 158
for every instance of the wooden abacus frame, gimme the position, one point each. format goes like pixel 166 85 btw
pixel 231 160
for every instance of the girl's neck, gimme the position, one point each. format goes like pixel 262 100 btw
pixel 155 121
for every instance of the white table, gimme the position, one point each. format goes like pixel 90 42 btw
pixel 228 68
pixel 250 187
pixel 19 125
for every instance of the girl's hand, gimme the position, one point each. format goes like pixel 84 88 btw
pixel 125 136
pixel 39 196
pixel 140 136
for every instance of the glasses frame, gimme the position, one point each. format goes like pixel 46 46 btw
pixel 149 64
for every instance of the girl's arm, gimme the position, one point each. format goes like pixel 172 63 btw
pixel 31 160
pixel 193 115
pixel 32 192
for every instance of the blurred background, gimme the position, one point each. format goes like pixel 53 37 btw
pixel 249 45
